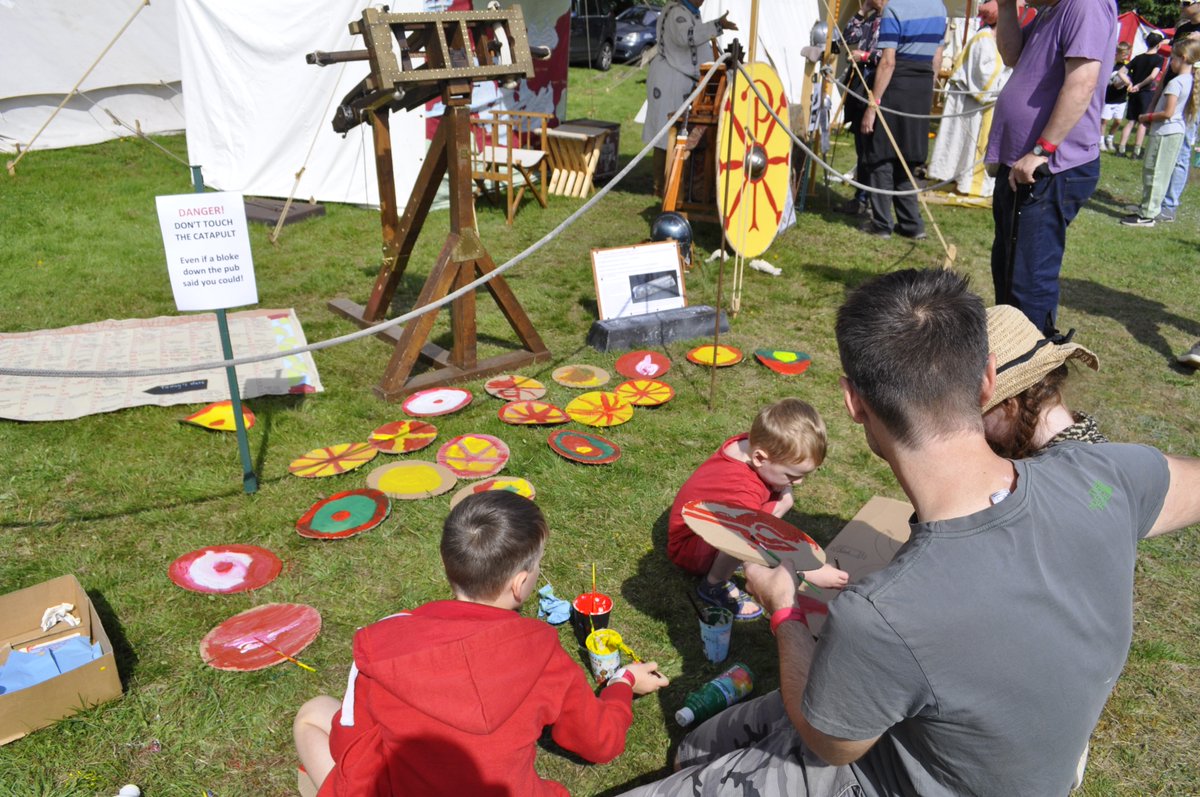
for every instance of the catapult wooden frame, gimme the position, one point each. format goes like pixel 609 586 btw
pixel 415 58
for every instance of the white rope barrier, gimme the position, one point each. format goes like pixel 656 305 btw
pixel 415 312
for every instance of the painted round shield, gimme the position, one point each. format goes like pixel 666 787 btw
pixel 511 483
pixel 473 456
pixel 412 479
pixel 514 387
pixel 645 392
pixel 789 363
pixel 436 401
pixel 749 535
pixel 752 160
pixel 219 417
pixel 643 364
pixel 585 447
pixel 580 377
pixel 344 514
pixel 402 437
pixel 261 637
pixel 719 356
pixel 332 460
pixel 532 413
pixel 600 408
pixel 222 569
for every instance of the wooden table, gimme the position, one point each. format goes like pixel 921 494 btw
pixel 574 151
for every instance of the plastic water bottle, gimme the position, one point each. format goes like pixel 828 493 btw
pixel 715 696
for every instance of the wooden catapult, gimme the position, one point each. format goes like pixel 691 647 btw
pixel 416 58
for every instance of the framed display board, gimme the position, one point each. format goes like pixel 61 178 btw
pixel 639 279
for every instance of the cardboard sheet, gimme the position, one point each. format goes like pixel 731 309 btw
pixel 150 343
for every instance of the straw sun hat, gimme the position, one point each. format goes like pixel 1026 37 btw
pixel 1023 355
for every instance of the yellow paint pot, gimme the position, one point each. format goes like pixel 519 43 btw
pixel 604 652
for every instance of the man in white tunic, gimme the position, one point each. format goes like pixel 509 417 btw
pixel 962 137
pixel 675 70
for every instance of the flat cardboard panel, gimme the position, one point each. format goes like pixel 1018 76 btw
pixel 95 682
pixel 866 544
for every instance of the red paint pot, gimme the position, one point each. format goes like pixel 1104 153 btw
pixel 589 612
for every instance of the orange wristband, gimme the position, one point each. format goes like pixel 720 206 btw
pixel 787 614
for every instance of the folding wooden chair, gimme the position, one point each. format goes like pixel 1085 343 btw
pixel 508 156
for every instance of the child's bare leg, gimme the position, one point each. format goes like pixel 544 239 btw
pixel 311 730
pixel 1140 137
pixel 722 569
pixel 1125 135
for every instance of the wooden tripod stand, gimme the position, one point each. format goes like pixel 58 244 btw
pixel 414 58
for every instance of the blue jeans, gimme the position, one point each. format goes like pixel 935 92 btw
pixel 1031 233
pixel 1182 164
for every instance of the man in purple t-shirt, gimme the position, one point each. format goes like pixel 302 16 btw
pixel 1045 143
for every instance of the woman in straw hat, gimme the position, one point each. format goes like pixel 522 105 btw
pixel 1027 412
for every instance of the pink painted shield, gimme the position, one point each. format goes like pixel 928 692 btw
pixel 261 637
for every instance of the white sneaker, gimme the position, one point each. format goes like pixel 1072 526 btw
pixel 1191 357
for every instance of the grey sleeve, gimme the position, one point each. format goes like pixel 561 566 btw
pixel 1146 479
pixel 863 678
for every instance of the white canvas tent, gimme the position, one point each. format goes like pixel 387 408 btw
pixel 46 46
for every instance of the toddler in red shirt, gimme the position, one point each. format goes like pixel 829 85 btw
pixel 452 697
pixel 758 470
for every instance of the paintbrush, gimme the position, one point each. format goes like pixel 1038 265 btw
pixel 279 652
pixel 696 607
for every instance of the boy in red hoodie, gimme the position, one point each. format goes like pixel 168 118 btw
pixel 452 697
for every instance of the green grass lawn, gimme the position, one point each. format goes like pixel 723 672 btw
pixel 115 498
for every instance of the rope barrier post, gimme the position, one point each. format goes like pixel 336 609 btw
pixel 735 57
pixel 249 479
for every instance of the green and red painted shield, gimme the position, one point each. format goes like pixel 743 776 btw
pixel 789 363
pixel 344 514
pixel 590 449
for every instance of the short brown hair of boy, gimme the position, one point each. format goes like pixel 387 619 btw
pixel 489 538
pixel 789 432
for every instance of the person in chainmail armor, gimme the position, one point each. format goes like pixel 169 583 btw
pixel 675 70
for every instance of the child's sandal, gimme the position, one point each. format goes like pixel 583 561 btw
pixel 726 595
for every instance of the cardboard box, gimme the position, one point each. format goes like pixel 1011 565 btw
pixel 865 544
pixel 36 707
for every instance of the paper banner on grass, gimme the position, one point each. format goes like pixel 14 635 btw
pixel 580 377
pixel 645 392
pixel 585 447
pixel 412 480
pixel 219 417
pixel 720 355
pixel 261 637
pixel 222 569
pixel 514 387
pixel 344 514
pixel 788 363
pixel 332 460
pixel 473 456
pixel 532 413
pixel 513 484
pixel 402 437
pixel 643 364
pixel 600 408
pixel 752 536
pixel 436 401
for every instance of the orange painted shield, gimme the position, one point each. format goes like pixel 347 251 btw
pixel 645 392
pixel 402 437
pixel 514 387
pixel 532 413
pixel 600 408
pixel 719 356
pixel 332 460
pixel 473 456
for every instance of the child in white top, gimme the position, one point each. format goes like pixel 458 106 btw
pixel 1177 102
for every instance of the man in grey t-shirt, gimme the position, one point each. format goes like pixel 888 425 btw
pixel 979 660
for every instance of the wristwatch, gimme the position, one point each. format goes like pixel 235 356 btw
pixel 1040 151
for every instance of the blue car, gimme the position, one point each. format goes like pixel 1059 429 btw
pixel 636 30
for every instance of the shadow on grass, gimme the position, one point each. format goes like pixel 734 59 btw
pixel 1106 203
pixel 122 651
pixel 1143 318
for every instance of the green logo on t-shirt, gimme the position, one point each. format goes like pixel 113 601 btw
pixel 1100 493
